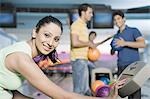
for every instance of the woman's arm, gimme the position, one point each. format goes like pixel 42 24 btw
pixel 23 64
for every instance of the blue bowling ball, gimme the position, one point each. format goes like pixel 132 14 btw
pixel 114 46
pixel 105 80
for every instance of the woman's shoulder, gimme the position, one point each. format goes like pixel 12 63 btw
pixel 22 46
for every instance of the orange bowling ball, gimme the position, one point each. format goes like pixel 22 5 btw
pixel 93 54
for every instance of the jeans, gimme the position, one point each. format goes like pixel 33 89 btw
pixel 91 66
pixel 81 71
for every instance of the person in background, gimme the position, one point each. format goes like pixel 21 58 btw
pixel 17 63
pixel 79 50
pixel 129 39
pixel 93 35
pixel 91 65
pixel 80 44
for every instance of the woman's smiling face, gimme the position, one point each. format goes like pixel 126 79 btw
pixel 47 38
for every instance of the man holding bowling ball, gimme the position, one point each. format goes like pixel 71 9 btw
pixel 79 50
pixel 126 42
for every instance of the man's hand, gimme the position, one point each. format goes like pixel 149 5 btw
pixel 92 45
pixel 112 52
pixel 120 42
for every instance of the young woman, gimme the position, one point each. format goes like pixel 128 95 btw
pixel 18 61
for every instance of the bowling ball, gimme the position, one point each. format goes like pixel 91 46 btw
pixel 105 80
pixel 114 46
pixel 96 84
pixel 93 54
pixel 103 91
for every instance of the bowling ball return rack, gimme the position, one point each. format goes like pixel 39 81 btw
pixel 135 74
